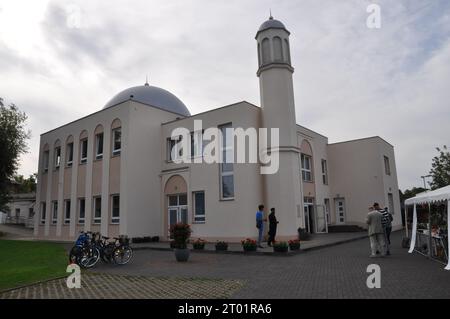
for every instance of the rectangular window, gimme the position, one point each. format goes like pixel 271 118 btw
pixel 196 144
pixel 306 168
pixel 115 212
pixel 391 203
pixel 55 212
pixel 57 157
pixel 67 211
pixel 199 206
pixel 82 210
pixel 43 212
pixel 117 141
pixel 99 146
pixel 69 154
pixel 324 172
pixel 226 165
pixel 83 151
pixel 46 160
pixel 97 210
pixel 172 144
pixel 387 166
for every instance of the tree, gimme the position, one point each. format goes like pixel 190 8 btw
pixel 440 168
pixel 411 193
pixel 13 143
pixel 24 185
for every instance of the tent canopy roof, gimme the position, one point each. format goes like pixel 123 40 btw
pixel 438 195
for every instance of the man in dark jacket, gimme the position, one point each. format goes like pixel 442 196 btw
pixel 272 227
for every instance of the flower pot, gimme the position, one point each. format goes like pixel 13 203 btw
pixel 249 248
pixel 182 255
pixel 221 247
pixel 198 246
pixel 294 246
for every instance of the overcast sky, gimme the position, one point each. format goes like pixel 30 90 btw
pixel 61 60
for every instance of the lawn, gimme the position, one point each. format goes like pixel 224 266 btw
pixel 25 262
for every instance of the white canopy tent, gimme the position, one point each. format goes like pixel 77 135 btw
pixel 437 196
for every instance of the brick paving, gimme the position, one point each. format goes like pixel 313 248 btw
pixel 333 272
pixel 107 286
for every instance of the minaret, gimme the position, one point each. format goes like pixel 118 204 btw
pixel 283 189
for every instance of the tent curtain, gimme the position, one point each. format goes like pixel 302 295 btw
pixel 414 231
pixel 448 232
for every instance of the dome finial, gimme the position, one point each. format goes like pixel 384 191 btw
pixel 146 81
pixel 270 16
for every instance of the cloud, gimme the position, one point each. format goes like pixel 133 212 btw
pixel 350 81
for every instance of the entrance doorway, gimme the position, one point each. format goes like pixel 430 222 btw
pixel 308 209
pixel 177 209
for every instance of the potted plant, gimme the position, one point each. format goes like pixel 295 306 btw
pixel 249 244
pixel 294 244
pixel 180 233
pixel 303 234
pixel 199 244
pixel 221 246
pixel 280 247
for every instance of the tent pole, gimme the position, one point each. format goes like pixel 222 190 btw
pixel 429 230
pixel 406 220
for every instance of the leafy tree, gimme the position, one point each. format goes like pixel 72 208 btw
pixel 440 168
pixel 13 138
pixel 411 193
pixel 25 185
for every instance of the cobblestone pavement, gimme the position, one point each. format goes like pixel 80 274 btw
pixel 333 272
pixel 106 286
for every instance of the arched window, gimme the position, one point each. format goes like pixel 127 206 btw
pixel 265 51
pixel 83 147
pixel 98 142
pixel 69 151
pixel 277 49
pixel 288 51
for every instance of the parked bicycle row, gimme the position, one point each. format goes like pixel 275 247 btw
pixel 91 247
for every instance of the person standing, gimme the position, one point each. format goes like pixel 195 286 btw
pixel 272 227
pixel 260 224
pixel 387 226
pixel 376 232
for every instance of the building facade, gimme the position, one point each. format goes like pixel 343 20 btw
pixel 113 172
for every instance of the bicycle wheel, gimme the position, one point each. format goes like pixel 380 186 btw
pixel 122 255
pixel 89 257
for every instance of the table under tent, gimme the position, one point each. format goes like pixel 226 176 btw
pixel 431 241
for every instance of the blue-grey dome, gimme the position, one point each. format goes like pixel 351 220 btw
pixel 153 96
pixel 272 24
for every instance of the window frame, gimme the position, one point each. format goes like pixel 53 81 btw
pixel 115 220
pixel 324 165
pixel 69 152
pixel 67 206
pixel 222 172
pixel 46 160
pixel 98 136
pixel 54 211
pixel 387 165
pixel 197 217
pixel 43 212
pixel 304 170
pixel 57 157
pixel 116 152
pixel 97 219
pixel 81 221
pixel 83 159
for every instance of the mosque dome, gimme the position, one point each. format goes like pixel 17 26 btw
pixel 152 96
pixel 271 24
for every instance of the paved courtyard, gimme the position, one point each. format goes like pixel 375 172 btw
pixel 332 272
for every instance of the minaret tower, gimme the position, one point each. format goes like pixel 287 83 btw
pixel 282 189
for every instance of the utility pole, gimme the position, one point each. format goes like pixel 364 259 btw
pixel 424 183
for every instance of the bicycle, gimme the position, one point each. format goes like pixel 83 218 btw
pixel 85 253
pixel 122 253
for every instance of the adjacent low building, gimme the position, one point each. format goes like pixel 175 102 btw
pixel 112 171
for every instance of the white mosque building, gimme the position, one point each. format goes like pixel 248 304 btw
pixel 112 170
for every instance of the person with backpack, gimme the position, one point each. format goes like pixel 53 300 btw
pixel 386 222
pixel 273 222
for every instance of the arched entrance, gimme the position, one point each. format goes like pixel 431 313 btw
pixel 175 193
